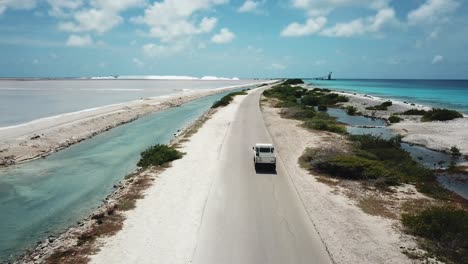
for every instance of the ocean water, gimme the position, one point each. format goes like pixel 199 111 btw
pixel 452 94
pixel 22 101
pixel 47 196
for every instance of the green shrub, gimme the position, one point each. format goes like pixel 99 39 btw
pixel 227 99
pixel 158 155
pixel 445 227
pixel 299 113
pixel 322 108
pixel 437 114
pixel 394 119
pixel 321 90
pixel 325 125
pixel 293 81
pixel 414 112
pixel 455 151
pixel 383 106
pixel 351 110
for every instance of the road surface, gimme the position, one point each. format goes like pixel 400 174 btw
pixel 254 217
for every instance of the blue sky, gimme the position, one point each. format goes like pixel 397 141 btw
pixel 264 38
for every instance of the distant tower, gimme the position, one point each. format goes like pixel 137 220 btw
pixel 329 76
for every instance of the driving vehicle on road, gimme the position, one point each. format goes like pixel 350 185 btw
pixel 264 156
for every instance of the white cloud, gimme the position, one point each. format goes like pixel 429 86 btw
pixel 277 66
pixel 60 8
pixel 96 20
pixel 310 27
pixel 79 41
pixel 224 36
pixel 100 17
pixel 324 7
pixel 138 62
pixel 432 11
pixel 437 59
pixel 249 6
pixel 16 4
pixel 170 20
pixel 361 26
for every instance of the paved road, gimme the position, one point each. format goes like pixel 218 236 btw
pixel 251 217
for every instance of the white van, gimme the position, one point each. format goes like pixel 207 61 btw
pixel 264 154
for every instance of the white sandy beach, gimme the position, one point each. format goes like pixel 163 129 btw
pixel 42 137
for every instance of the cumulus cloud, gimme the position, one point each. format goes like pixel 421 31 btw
pixel 100 17
pixel 324 7
pixel 437 59
pixel 224 36
pixel 61 8
pixel 16 4
pixel 310 27
pixel 79 41
pixel 170 20
pixel 96 20
pixel 432 11
pixel 361 26
pixel 249 6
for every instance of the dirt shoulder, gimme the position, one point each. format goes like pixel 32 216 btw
pixel 350 234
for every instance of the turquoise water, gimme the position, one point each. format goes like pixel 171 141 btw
pixel 451 94
pixel 47 196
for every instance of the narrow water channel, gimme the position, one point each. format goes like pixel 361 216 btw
pixel 361 125
pixel 47 196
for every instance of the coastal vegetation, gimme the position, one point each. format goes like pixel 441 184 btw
pixel 438 114
pixel 377 161
pixel 227 99
pixel 293 81
pixel 302 104
pixel 382 107
pixel 351 110
pixel 444 230
pixel 394 119
pixel 158 155
pixel 417 112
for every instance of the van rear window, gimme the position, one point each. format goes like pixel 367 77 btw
pixel 265 150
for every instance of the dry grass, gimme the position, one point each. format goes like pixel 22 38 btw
pixel 374 205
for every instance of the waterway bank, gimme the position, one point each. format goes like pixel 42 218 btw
pixel 40 138
pixel 45 197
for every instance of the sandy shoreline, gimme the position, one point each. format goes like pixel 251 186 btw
pixel 436 135
pixel 40 138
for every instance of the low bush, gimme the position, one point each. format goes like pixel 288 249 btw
pixel 325 125
pixel 383 162
pixel 382 107
pixel 322 108
pixel 414 112
pixel 351 110
pixel 299 113
pixel 227 99
pixel 293 81
pixel 158 155
pixel 438 114
pixel 394 119
pixel 445 227
pixel 455 151
pixel 321 90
